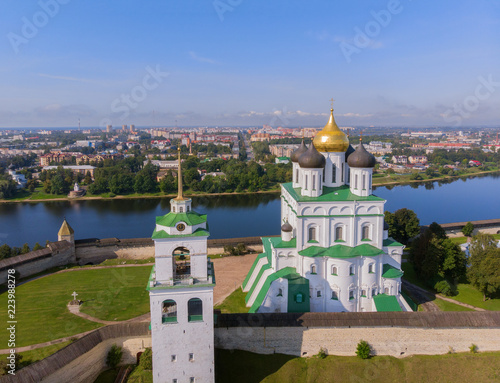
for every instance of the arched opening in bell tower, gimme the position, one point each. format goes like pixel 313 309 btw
pixel 182 263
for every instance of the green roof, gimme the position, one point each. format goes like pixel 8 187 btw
pixel 191 218
pixel 341 193
pixel 279 244
pixel 283 158
pixel 341 251
pixel 389 271
pixel 162 234
pixel 385 302
pixel 389 242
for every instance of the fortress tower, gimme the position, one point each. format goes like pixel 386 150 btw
pixel 334 253
pixel 181 296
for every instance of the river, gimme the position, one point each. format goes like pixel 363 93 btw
pixel 463 199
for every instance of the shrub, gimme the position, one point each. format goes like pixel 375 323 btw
pixel 114 356
pixel 444 287
pixel 146 360
pixel 322 354
pixel 468 229
pixel 473 348
pixel 363 350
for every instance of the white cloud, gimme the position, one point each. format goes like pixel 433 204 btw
pixel 65 78
pixel 194 56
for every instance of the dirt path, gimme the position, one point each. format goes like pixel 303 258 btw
pixel 230 273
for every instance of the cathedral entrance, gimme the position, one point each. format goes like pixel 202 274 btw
pixel 182 263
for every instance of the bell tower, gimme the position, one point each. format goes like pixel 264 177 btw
pixel 181 295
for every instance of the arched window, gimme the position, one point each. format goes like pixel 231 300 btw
pixel 386 290
pixel 374 292
pixel 370 268
pixel 297 176
pixel 349 176
pixel 195 310
pixel 318 294
pixel 314 182
pixel 181 210
pixel 334 270
pixel 280 292
pixel 305 184
pixel 351 270
pixel 335 295
pixel 334 173
pixel 363 293
pixel 173 209
pixel 338 233
pixel 312 233
pixel 365 232
pixel 169 311
pixel 351 294
pixel 364 182
pixel 313 269
pixel 355 181
pixel 342 174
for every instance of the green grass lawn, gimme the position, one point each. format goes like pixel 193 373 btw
pixel 448 306
pixel 121 261
pixel 139 375
pixel 464 367
pixel 234 303
pixel 470 295
pixel 109 294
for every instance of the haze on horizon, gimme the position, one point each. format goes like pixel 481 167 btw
pixel 237 62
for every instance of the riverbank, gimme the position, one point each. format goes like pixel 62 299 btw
pixel 188 194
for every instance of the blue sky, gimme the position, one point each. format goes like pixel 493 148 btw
pixel 242 62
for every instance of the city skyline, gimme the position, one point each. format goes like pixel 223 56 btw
pixel 232 62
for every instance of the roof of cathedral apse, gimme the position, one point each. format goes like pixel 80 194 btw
pixel 341 193
pixel 341 251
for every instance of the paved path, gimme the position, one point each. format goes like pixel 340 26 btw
pixel 230 272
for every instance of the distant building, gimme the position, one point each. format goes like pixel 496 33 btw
pixel 400 160
pixel 284 150
pixel 20 179
pixel 78 169
pixel 417 159
pixel 282 160
pixel 259 137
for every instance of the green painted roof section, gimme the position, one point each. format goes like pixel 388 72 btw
pixel 191 218
pixel 162 234
pixel 265 287
pixel 283 158
pixel 254 265
pixel 280 244
pixel 341 251
pixel 341 193
pixel 389 242
pixel 389 271
pixel 385 302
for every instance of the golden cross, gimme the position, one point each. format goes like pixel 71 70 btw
pixel 332 100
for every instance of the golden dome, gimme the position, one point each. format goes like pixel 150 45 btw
pixel 331 138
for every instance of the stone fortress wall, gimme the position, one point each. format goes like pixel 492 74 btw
pixel 398 334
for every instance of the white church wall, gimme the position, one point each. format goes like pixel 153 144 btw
pixel 286 258
pixel 263 261
pixel 276 300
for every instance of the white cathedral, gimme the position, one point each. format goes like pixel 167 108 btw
pixel 334 253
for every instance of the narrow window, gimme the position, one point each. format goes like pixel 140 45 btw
pixel 355 181
pixel 173 358
pixel 181 210
pixel 334 173
pixel 351 294
pixel 174 380
pixel 338 233
pixel 364 182
pixel 191 380
pixel 363 293
pixel 370 268
pixel 313 269
pixel 173 209
pixel 349 176
pixel 305 186
pixel 369 181
pixel 386 290
pixel 280 292
pixel 374 292
pixel 312 234
pixel 334 270
pixel 169 311
pixel 191 357
pixel 335 295
pixel 187 209
pixel 318 294
pixel 324 172
pixel 365 232
pixel 195 310
pixel 342 174
pixel 314 183
pixel 297 176
pixel 351 270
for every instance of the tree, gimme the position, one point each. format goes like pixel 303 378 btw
pixel 468 229
pixel 437 230
pixel 484 260
pixel 363 349
pixel 403 224
pixel 114 356
pixel 5 251
pixel 37 247
pixel 25 249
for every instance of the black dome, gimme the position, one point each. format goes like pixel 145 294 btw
pixel 361 158
pixel 312 159
pixel 349 151
pixel 286 227
pixel 297 153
